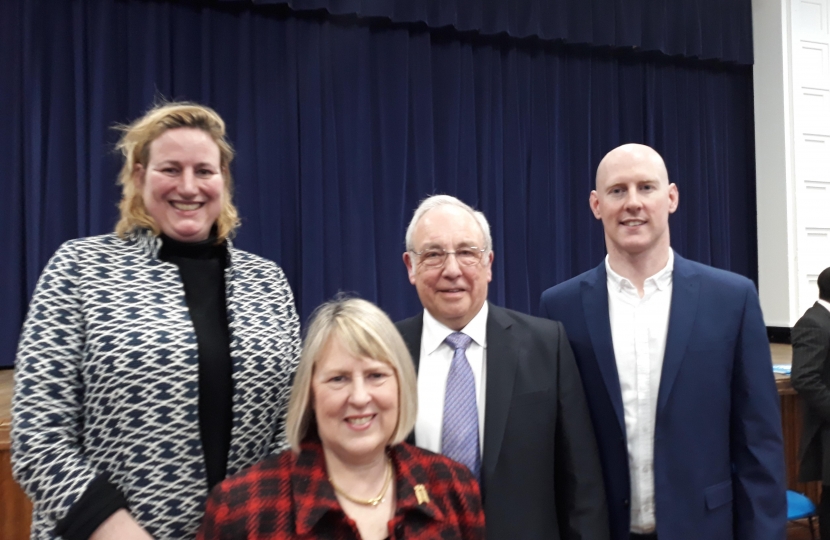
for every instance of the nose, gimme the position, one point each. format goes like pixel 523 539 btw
pixel 359 396
pixel 451 268
pixel 632 201
pixel 188 187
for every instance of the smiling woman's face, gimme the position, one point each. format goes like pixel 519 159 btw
pixel 355 401
pixel 183 187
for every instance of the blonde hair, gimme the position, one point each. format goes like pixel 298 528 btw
pixel 134 145
pixel 364 330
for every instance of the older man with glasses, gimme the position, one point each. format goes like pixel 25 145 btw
pixel 498 390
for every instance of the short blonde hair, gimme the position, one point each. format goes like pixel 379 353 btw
pixel 134 145
pixel 364 330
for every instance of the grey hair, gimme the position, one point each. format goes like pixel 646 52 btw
pixel 436 201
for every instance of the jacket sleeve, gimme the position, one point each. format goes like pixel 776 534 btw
pixel 289 356
pixel 811 350
pixel 47 457
pixel 759 500
pixel 580 493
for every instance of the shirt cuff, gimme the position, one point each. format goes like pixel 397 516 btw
pixel 100 500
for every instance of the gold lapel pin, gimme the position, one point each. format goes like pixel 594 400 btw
pixel 421 494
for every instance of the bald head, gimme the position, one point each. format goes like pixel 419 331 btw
pixel 633 198
pixel 630 156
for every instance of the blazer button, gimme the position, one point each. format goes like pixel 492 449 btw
pixel 625 503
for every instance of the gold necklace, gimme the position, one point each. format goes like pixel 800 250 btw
pixel 373 501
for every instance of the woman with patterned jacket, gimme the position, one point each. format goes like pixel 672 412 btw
pixel 348 475
pixel 157 360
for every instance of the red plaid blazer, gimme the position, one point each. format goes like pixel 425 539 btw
pixel 289 496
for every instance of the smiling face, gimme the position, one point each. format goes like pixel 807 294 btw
pixel 355 402
pixel 182 186
pixel 633 198
pixel 453 293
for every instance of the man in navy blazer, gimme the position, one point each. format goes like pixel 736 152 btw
pixel 677 372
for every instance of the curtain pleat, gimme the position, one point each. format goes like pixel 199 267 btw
pixel 342 127
pixel 705 29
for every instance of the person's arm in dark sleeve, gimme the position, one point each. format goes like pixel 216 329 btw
pixel 759 503
pixel 811 346
pixel 580 492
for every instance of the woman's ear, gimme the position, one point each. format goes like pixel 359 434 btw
pixel 138 176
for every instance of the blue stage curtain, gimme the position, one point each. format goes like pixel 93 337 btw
pixel 341 127
pixel 706 29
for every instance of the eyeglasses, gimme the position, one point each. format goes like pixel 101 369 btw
pixel 437 257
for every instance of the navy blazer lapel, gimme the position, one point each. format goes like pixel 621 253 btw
pixel 594 289
pixel 684 302
pixel 503 349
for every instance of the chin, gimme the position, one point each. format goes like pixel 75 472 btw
pixel 364 449
pixel 190 235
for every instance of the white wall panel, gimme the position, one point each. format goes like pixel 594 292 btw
pixel 811 112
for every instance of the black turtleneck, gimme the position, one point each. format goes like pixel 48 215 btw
pixel 202 267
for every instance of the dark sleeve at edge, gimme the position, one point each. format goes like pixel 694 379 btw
pixel 100 500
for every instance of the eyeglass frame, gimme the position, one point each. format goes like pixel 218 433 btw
pixel 446 255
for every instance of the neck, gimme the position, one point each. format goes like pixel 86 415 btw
pixel 359 478
pixel 638 267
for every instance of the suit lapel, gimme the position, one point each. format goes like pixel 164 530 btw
pixel 503 349
pixel 684 304
pixel 594 289
pixel 411 330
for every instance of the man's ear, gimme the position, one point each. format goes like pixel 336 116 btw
pixel 489 264
pixel 674 198
pixel 593 202
pixel 410 266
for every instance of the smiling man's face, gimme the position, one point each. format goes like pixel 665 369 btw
pixel 452 293
pixel 633 198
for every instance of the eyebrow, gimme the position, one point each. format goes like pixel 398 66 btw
pixel 177 162
pixel 463 243
pixel 639 182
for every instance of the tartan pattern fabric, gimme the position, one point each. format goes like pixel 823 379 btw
pixel 107 380
pixel 459 429
pixel 289 497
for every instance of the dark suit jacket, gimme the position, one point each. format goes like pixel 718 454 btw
pixel 718 452
pixel 540 469
pixel 811 379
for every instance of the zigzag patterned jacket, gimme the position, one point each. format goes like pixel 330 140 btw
pixel 106 380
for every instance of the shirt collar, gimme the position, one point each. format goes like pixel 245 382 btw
pixel 436 332
pixel 824 303
pixel 151 244
pixel 661 280
pixel 314 496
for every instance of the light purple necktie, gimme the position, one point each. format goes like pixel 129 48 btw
pixel 459 434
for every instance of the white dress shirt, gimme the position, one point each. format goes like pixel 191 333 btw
pixel 824 303
pixel 434 369
pixel 638 331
